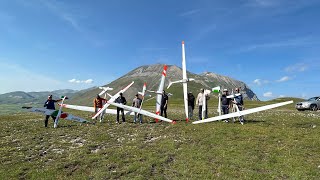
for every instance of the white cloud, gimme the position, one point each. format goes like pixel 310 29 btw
pixel 283 79
pixel 260 82
pixel 299 67
pixel 88 81
pixel 72 80
pixel 189 13
pixel 268 94
pixel 257 81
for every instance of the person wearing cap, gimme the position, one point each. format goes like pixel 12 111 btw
pixel 97 104
pixel 238 102
pixel 225 103
pixel 136 102
pixel 121 100
pixel 191 100
pixel 164 104
pixel 199 103
pixel 49 104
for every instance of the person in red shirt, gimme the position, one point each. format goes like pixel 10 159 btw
pixel 98 103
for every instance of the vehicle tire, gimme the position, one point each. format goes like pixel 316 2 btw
pixel 313 107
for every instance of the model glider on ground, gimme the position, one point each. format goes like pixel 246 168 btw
pixel 184 81
pixel 242 113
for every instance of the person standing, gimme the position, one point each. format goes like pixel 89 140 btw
pixel 49 104
pixel 97 104
pixel 164 104
pixel 200 99
pixel 225 103
pixel 121 100
pixel 191 100
pixel 137 104
pixel 238 104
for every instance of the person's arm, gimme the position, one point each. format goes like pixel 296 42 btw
pixel 133 102
pixel 45 104
pixel 94 103
pixel 197 100
pixel 124 101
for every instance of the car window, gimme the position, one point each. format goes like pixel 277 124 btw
pixel 312 99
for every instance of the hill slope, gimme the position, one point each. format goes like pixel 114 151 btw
pixel 151 74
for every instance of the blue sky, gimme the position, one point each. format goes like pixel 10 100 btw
pixel 272 45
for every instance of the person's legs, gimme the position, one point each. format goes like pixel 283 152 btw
pixel 190 112
pixel 161 110
pixel 140 116
pixel 122 114
pixel 102 115
pixel 46 121
pixel 225 110
pixel 118 109
pixel 165 112
pixel 135 117
pixel 200 112
pixel 241 117
pixel 206 113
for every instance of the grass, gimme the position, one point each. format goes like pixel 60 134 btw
pixel 275 144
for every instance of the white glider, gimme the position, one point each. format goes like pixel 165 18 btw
pixel 159 91
pixel 52 112
pixel 141 111
pixel 112 99
pixel 59 112
pixel 242 113
pixel 185 80
pixel 106 110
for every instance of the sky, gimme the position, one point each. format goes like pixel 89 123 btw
pixel 271 45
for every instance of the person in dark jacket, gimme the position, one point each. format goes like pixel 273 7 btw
pixel 225 103
pixel 191 100
pixel 121 100
pixel 49 104
pixel 164 104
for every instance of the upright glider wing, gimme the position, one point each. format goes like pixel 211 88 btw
pixel 59 112
pixel 242 113
pixel 112 99
pixel 185 80
pixel 160 89
pixel 143 94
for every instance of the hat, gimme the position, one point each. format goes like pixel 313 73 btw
pixel 225 90
pixel 50 96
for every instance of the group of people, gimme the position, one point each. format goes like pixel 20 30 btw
pixel 136 102
pixel 235 103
